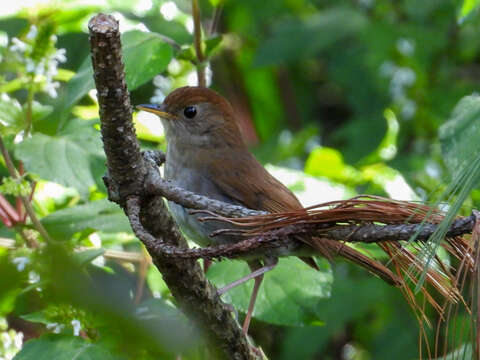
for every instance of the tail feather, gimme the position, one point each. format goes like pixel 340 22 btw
pixel 330 248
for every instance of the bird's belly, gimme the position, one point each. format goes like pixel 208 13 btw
pixel 198 232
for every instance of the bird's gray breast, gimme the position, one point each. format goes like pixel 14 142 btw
pixel 196 181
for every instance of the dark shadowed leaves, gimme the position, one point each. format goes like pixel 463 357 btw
pixel 297 39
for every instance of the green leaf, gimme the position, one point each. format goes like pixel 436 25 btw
pixel 100 215
pixel 459 146
pixel 12 120
pixel 464 352
pixel 304 38
pixel 36 317
pixel 145 55
pixel 187 53
pixel 289 294
pixel 467 7
pixel 459 135
pixel 10 285
pixel 86 256
pixel 61 347
pixel 328 162
pixel 212 45
pixel 70 158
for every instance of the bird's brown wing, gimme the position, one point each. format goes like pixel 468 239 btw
pixel 265 193
pixel 251 185
pixel 256 189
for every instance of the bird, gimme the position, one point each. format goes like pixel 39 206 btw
pixel 207 155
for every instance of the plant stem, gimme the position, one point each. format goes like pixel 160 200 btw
pixel 197 30
pixel 216 19
pixel 26 203
pixel 28 115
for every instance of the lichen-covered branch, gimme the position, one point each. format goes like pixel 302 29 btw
pixel 125 182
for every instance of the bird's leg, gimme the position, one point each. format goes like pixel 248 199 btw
pixel 206 265
pixel 257 273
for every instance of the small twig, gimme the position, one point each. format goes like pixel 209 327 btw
pixel 26 203
pixel 197 29
pixel 216 18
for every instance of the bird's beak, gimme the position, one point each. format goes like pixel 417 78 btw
pixel 157 110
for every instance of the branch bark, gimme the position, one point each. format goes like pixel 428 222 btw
pixel 125 178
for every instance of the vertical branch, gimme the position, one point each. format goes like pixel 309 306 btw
pixel 148 215
pixel 197 32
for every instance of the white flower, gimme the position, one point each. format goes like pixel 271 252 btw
pixel 405 46
pixel 158 97
pixel 55 327
pixel 51 88
pixel 76 327
pixel 18 45
pixel 409 108
pixel 18 340
pixel 32 33
pixel 33 277
pixel 21 262
pixel 6 340
pixel 387 68
pixel 60 55
pixel 169 10
pixel 189 25
pixel 162 82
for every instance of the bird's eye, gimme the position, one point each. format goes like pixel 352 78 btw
pixel 190 112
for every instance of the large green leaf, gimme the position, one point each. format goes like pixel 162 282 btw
pixel 459 135
pixel 298 39
pixel 62 347
pixel 145 55
pixel 71 158
pixel 101 215
pixel 289 294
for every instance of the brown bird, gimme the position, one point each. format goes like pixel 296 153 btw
pixel 206 155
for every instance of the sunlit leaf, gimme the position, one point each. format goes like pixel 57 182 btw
pixel 101 215
pixel 329 163
pixel 61 347
pixel 71 158
pixel 467 7
pixel 289 294
pixel 145 55
pixel 12 120
pixel 308 189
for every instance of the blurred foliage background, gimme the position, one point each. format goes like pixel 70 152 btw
pixel 338 97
